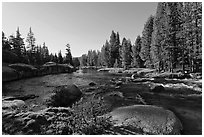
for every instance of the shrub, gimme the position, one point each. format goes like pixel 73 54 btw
pixel 9 57
pixel 88 117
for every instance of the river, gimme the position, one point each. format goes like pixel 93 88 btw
pixel 188 107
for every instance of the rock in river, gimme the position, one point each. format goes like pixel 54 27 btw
pixel 150 119
pixel 157 89
pixel 92 84
pixel 64 96
pixel 12 104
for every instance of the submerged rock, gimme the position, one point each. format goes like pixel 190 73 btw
pixel 12 104
pixel 150 119
pixel 134 76
pixel 64 96
pixel 157 89
pixel 142 80
pixel 118 83
pixel 92 84
pixel 25 97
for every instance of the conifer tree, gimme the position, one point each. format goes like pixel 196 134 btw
pixel 118 59
pixel 137 61
pixel 105 51
pixel 18 44
pixel 172 29
pixel 60 58
pixel 45 53
pixel 113 48
pixel 31 41
pixel 31 47
pixel 126 53
pixel 146 42
pixel 68 58
pixel 83 60
pixel 158 35
pixel 5 42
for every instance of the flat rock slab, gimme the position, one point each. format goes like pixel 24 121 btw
pixel 150 119
pixel 12 104
pixel 26 97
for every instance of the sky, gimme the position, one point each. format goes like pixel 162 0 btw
pixel 85 26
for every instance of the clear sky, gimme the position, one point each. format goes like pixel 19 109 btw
pixel 84 26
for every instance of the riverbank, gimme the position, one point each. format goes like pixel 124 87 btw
pixel 17 71
pixel 182 97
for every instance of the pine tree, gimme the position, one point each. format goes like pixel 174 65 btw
pixel 126 53
pixel 38 56
pixel 146 42
pixel 55 58
pixel 100 59
pixel 60 58
pixel 95 58
pixel 90 58
pixel 172 29
pixel 12 41
pixel 106 54
pixel 68 58
pixel 191 33
pixel 5 42
pixel 45 53
pixel 18 44
pixel 31 47
pixel 158 35
pixel 118 59
pixel 52 58
pixel 76 62
pixel 83 60
pixel 137 61
pixel 113 48
pixel 31 41
pixel 197 33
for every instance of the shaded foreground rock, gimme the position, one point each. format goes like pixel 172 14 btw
pixel 64 96
pixel 47 121
pixel 150 119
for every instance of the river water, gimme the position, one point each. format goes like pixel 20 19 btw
pixel 188 108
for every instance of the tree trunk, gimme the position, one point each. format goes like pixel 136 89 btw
pixel 183 62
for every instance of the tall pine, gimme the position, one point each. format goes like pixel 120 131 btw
pixel 171 40
pixel 126 53
pixel 158 35
pixel 146 42
pixel 68 58
pixel 137 61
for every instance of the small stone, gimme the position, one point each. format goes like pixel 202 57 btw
pixel 158 89
pixel 117 87
pixel 118 83
pixel 92 84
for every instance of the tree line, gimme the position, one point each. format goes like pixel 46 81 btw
pixel 171 39
pixel 14 50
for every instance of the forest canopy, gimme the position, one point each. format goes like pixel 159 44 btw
pixel 171 39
